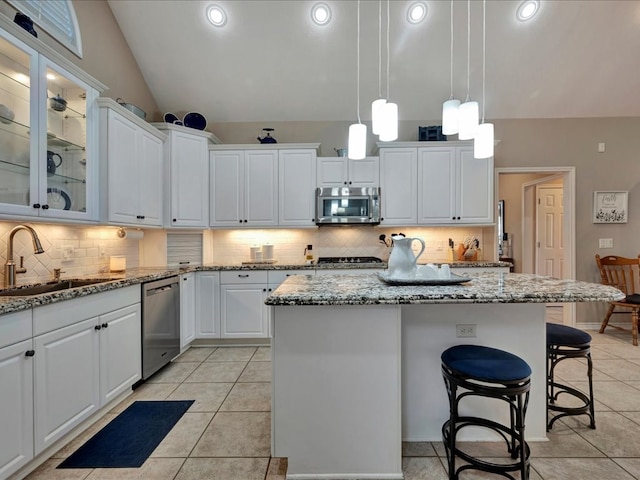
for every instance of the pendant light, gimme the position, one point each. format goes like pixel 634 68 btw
pixel 483 143
pixel 389 131
pixel 468 110
pixel 450 108
pixel 376 105
pixel 357 144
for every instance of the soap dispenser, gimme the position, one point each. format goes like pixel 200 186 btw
pixel 308 255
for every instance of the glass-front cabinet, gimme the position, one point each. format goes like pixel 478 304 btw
pixel 48 137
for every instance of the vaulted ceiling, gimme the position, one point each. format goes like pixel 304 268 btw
pixel 271 63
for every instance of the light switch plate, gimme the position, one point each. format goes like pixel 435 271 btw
pixel 466 330
pixel 605 243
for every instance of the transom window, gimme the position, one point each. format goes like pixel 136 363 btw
pixel 56 17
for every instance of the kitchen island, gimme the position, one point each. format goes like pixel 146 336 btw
pixel 356 362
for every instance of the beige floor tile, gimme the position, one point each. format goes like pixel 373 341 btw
pixel 48 471
pixel 184 435
pixel 249 397
pixel 571 401
pixel 423 468
pixel 195 354
pixel 610 336
pixel 633 416
pixel 277 468
pixel 418 449
pixel 224 469
pixel 576 369
pixel 152 469
pixel 477 449
pixel 622 350
pixel 614 395
pixel 208 396
pixel 216 372
pixel 256 372
pixel 615 435
pixel 619 369
pixel 236 434
pixel 146 391
pixel 232 354
pixel 579 469
pixel 263 354
pixel 80 440
pixel 563 442
pixel 602 352
pixel 631 465
pixel 174 372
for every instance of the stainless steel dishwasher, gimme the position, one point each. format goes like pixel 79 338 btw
pixel 160 324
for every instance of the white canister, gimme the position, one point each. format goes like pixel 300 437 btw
pixel 267 251
pixel 258 256
pixel 254 251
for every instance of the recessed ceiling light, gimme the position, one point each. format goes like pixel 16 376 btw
pixel 321 13
pixel 417 12
pixel 216 15
pixel 527 10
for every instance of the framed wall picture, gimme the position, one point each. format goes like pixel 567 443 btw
pixel 610 207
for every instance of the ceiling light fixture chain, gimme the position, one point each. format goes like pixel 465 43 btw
pixel 468 110
pixel 376 105
pixel 484 139
pixel 389 130
pixel 451 107
pixel 357 143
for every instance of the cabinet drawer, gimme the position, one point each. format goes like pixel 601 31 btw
pixel 276 277
pixel 243 276
pixel 15 327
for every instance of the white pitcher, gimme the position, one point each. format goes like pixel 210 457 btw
pixel 402 261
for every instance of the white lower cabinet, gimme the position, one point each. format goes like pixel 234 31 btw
pixel 16 406
pixel 187 309
pixel 243 313
pixel 87 352
pixel 207 305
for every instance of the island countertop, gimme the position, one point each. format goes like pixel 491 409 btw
pixel 483 288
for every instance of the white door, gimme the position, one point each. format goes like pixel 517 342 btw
pixel 16 407
pixel 67 380
pixel 436 185
pixel 296 188
pixel 120 351
pixel 398 186
pixel 150 179
pixel 187 309
pixel 242 311
pixel 124 170
pixel 365 172
pixel 550 242
pixel 261 188
pixel 189 181
pixel 227 188
pixel 332 171
pixel 475 187
pixel 208 305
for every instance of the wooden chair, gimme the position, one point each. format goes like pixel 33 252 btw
pixel 621 272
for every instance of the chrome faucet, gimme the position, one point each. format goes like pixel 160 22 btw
pixel 10 269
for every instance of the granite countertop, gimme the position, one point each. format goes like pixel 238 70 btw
pixel 483 288
pixel 135 276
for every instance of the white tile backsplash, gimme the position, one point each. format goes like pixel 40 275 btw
pixel 86 243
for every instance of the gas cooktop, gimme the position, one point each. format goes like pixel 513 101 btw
pixel 348 260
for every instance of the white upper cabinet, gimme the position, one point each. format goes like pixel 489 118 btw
pixel 131 166
pixel 296 188
pixel 186 156
pixel 48 134
pixel 454 187
pixel 342 171
pixel 398 186
pixel 244 188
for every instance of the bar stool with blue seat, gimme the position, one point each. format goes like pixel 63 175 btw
pixel 565 342
pixel 486 372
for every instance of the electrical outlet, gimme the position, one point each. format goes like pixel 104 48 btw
pixel 102 251
pixel 67 252
pixel 466 330
pixel 605 243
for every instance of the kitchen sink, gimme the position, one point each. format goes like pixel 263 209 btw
pixel 51 287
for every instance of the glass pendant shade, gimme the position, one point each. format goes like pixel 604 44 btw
pixel 357 145
pixel 376 115
pixel 469 119
pixel 450 116
pixel 483 142
pixel 389 131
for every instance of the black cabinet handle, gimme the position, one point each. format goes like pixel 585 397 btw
pixel 29 353
pixel 142 217
pixel 174 220
pixel 36 205
pixel 240 221
pixel 350 183
pixel 105 325
pixel 264 289
pixel 245 221
pixel 45 207
pixel 243 275
pixel 98 327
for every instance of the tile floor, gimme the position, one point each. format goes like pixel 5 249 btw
pixel 225 433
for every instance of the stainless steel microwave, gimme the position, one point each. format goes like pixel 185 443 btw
pixel 348 206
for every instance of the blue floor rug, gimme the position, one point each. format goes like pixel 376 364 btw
pixel 129 439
